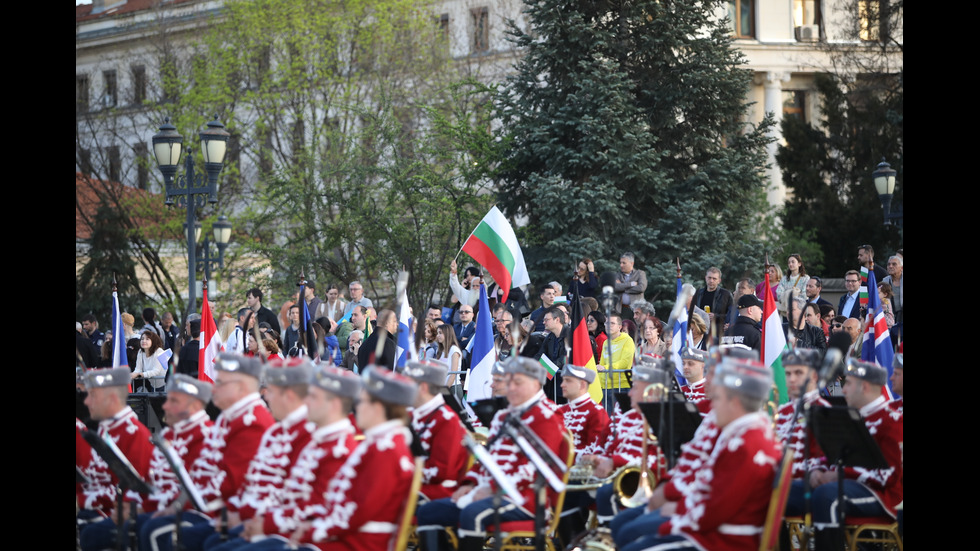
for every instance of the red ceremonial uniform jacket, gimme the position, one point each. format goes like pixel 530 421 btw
pixel 133 440
pixel 278 449
pixel 898 404
pixel 694 455
pixel 588 422
pixel 694 392
pixel 304 490
pixel 186 438
pixel 625 444
pixel 220 469
pixel 364 500
pixel 83 457
pixel 725 511
pixel 886 426
pixel 541 416
pixel 794 435
pixel 440 434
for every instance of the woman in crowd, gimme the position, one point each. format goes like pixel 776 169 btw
pixel 698 330
pixel 584 279
pixel 795 279
pixel 651 344
pixel 775 275
pixel 595 321
pixel 335 304
pixel 428 347
pixel 885 295
pixel 449 354
pixel 148 367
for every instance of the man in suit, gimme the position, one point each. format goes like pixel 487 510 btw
pixel 850 303
pixel 813 288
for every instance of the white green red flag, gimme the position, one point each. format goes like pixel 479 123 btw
pixel 548 365
pixel 494 245
pixel 773 340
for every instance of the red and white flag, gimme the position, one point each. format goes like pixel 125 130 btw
pixel 210 341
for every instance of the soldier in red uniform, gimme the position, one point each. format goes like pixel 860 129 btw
pixel 364 500
pixel 287 384
pixel 470 509
pixel 721 511
pixel 588 423
pixel 693 360
pixel 108 390
pixel 330 397
pixel 632 524
pixel 625 441
pixel 219 470
pixel 870 493
pixel 439 430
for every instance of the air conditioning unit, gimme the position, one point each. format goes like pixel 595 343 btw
pixel 808 33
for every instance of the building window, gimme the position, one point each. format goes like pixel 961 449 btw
pixel 807 20
pixel 85 161
pixel 443 22
pixel 81 92
pixel 110 88
pixel 115 163
pixel 873 20
pixel 794 104
pixel 481 29
pixel 741 14
pixel 139 84
pixel 142 165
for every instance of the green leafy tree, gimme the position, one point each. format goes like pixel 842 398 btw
pixel 358 150
pixel 624 132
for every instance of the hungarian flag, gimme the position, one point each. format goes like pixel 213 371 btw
pixel 482 355
pixel 877 345
pixel 494 245
pixel 581 350
pixel 210 341
pixel 773 341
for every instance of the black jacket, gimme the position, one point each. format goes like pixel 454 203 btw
pixel 744 331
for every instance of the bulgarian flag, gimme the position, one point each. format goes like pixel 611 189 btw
pixel 210 341
pixel 494 245
pixel 548 365
pixel 863 292
pixel 773 341
pixel 581 352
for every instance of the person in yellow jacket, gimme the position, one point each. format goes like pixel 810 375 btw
pixel 620 347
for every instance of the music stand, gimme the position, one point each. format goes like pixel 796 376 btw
pixel 845 440
pixel 624 401
pixel 681 420
pixel 454 405
pixel 486 409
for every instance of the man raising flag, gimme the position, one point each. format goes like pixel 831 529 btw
pixel 494 245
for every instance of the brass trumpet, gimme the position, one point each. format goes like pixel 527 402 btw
pixel 647 480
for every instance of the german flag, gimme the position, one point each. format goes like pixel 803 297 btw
pixel 581 348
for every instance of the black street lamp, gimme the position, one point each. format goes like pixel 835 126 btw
pixel 884 179
pixel 190 190
pixel 222 235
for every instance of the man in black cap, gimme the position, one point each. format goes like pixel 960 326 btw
pixel 870 493
pixel 746 329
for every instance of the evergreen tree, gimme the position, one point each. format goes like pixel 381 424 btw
pixel 625 131
pixel 110 254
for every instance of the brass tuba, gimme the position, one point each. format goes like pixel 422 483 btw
pixel 633 485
